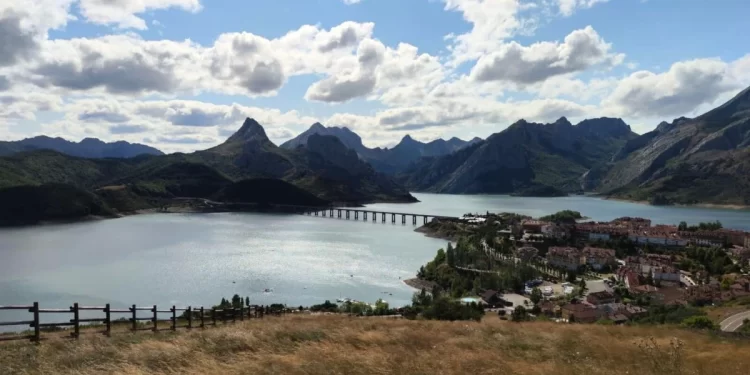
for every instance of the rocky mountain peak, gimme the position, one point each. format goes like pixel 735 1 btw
pixel 251 131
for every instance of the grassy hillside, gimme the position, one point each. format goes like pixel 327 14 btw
pixel 32 204
pixel 341 345
pixel 267 191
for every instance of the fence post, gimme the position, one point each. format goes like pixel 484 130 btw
pixel 135 318
pixel 76 321
pixel 174 318
pixel 242 313
pixel 190 317
pixel 156 317
pixel 37 333
pixel 203 322
pixel 234 314
pixel 108 320
pixel 213 315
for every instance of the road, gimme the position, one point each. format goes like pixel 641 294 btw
pixel 733 322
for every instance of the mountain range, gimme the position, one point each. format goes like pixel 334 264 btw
pixel 385 160
pixel 248 161
pixel 87 148
pixel 686 161
pixel 524 159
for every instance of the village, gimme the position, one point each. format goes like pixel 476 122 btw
pixel 614 271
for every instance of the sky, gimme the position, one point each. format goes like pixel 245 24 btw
pixel 182 75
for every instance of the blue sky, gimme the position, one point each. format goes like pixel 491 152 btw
pixel 151 70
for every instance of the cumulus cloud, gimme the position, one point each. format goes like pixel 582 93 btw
pixel 16 43
pixel 127 129
pixel 122 13
pixel 5 83
pixel 676 92
pixel 515 63
pixel 493 21
pixel 568 7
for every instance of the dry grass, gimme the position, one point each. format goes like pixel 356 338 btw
pixel 341 345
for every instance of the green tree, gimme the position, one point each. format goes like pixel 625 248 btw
pixel 247 301
pixel 683 226
pixel 519 314
pixel 236 301
pixel 450 256
pixel 700 322
pixel 571 278
pixel 536 296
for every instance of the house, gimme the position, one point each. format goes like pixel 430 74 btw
pixel 580 313
pixel 600 298
pixel 568 258
pixel 633 312
pixel 553 230
pixel 707 238
pixel 492 298
pixel 629 276
pixel 633 222
pixel 599 258
pixel 644 289
pixel 549 308
pixel 660 235
pixel 618 318
pixel 532 226
pixel 660 268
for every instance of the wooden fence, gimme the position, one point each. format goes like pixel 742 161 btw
pixel 194 317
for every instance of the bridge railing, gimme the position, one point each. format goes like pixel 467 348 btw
pixel 179 318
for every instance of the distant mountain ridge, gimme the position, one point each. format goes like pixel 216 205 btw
pixel 687 161
pixel 384 160
pixel 525 159
pixel 324 167
pixel 87 148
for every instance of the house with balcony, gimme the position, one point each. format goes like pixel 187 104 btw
pixel 568 258
pixel 599 258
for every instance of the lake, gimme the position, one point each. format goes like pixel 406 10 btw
pixel 196 259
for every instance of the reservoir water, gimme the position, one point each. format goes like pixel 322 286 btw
pixel 196 259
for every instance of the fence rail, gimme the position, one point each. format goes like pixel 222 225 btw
pixel 190 315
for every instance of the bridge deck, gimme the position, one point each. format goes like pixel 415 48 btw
pixel 364 209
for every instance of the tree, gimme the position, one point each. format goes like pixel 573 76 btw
pixel 236 301
pixel 519 314
pixel 582 287
pixel 247 301
pixel 536 296
pixel 450 256
pixel 699 322
pixel 682 226
pixel 571 278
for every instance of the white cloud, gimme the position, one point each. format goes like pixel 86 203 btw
pixel 122 13
pixel 493 21
pixel 684 87
pixel 568 7
pixel 515 63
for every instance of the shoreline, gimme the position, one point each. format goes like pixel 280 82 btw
pixel 733 207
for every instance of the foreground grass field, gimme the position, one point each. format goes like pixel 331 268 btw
pixel 342 345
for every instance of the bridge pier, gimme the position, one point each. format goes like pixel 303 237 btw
pixel 347 214
pixel 413 219
pixel 331 213
pixel 356 215
pixel 365 217
pixel 393 218
pixel 403 219
pixel 324 213
pixel 339 214
pixel 384 217
pixel 374 217
pixel 425 219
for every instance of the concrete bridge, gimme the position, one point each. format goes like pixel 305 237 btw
pixel 363 213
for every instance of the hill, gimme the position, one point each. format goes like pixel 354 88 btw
pixel 383 160
pixel 309 344
pixel 700 160
pixel 23 205
pixel 525 159
pixel 267 191
pixel 323 171
pixel 87 148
